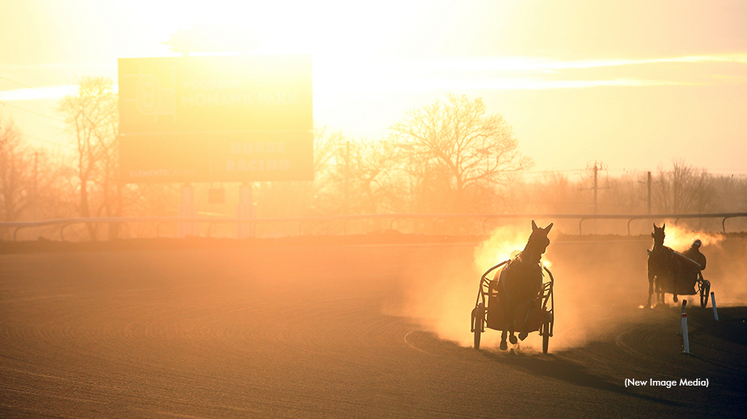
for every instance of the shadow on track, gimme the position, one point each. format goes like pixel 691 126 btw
pixel 731 327
pixel 551 366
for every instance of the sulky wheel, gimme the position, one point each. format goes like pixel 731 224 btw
pixel 478 332
pixel 705 290
pixel 478 323
pixel 545 332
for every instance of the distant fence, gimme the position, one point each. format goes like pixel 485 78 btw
pixel 253 222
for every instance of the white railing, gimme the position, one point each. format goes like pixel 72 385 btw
pixel 253 222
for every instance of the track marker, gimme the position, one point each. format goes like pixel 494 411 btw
pixel 713 303
pixel 684 304
pixel 684 334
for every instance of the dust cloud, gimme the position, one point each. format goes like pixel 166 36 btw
pixel 680 239
pixel 600 283
pixel 441 288
pixel 726 266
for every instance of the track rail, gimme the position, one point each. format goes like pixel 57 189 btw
pixel 253 222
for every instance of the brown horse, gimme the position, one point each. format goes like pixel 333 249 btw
pixel 662 267
pixel 520 285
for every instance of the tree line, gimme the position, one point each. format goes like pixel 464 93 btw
pixel 452 156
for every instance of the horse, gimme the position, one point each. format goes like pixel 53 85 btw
pixel 520 285
pixel 662 267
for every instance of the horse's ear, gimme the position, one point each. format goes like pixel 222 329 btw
pixel 534 225
pixel 547 229
pixel 663 226
pixel 655 227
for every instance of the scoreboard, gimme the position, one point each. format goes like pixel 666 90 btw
pixel 216 119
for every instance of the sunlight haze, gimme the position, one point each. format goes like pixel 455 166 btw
pixel 634 85
pixel 373 209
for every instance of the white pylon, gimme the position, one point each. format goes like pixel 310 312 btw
pixel 684 334
pixel 684 304
pixel 713 303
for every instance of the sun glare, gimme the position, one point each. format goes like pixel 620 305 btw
pixel 504 243
pixel 326 28
pixel 51 92
pixel 680 239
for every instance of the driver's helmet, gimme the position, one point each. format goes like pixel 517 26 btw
pixel 697 243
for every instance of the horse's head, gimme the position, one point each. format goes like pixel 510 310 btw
pixel 658 235
pixel 538 241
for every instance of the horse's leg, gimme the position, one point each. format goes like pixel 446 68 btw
pixel 503 308
pixel 508 321
pixel 512 324
pixel 650 288
pixel 659 289
pixel 526 310
pixel 506 327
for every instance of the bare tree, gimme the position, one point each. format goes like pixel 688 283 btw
pixel 455 147
pixel 92 119
pixel 685 189
pixel 32 182
pixel 361 175
pixel 15 187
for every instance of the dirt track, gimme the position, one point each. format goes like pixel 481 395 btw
pixel 344 331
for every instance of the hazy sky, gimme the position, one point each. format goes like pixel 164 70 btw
pixel 633 84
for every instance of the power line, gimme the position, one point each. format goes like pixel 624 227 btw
pixel 618 172
pixel 19 83
pixel 30 111
pixel 49 142
pixel 27 110
pixel 550 171
pixel 35 113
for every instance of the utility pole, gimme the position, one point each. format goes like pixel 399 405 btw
pixel 347 177
pixel 648 186
pixel 34 198
pixel 675 190
pixel 596 170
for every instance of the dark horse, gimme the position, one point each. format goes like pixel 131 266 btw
pixel 662 267
pixel 520 285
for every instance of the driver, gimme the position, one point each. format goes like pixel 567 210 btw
pixel 694 253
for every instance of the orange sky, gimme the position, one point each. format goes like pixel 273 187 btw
pixel 632 84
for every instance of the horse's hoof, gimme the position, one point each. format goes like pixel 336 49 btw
pixel 504 345
pixel 675 298
pixel 523 335
pixel 513 340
